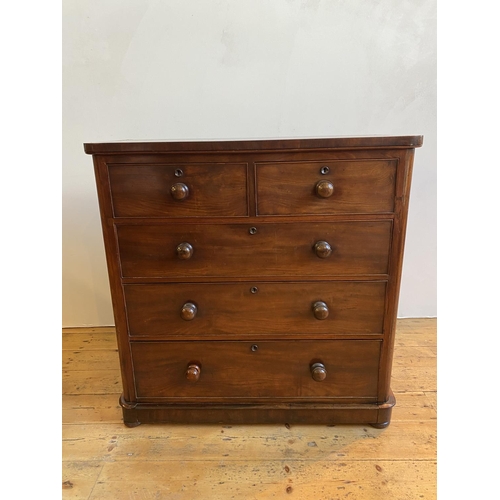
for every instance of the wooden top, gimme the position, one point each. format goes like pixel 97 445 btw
pixel 368 142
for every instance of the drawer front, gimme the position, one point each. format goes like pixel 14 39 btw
pixel 273 250
pixel 247 370
pixel 346 187
pixel 258 308
pixel 180 190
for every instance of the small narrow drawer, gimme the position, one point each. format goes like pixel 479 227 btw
pixel 257 370
pixel 254 250
pixel 179 190
pixel 198 310
pixel 326 187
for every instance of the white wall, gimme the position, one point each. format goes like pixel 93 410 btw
pixel 207 69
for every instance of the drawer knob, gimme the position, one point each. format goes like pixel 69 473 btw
pixel 193 372
pixel 188 311
pixel 318 372
pixel 179 191
pixel 184 250
pixel 324 189
pixel 322 249
pixel 320 310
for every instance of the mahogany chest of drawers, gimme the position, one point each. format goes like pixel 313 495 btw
pixel 255 281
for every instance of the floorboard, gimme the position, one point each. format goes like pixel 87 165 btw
pixel 103 459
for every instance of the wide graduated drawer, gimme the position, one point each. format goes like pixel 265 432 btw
pixel 255 370
pixel 254 250
pixel 326 187
pixel 179 190
pixel 231 309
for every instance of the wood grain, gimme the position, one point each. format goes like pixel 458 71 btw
pixel 144 190
pixel 74 339
pixel 291 144
pixel 91 359
pixel 226 311
pixel 79 478
pixel 111 250
pixel 406 441
pixel 321 480
pixel 91 382
pixel 416 332
pixel 230 250
pixel 275 370
pixel 102 459
pixel 91 408
pixel 221 183
pixel 286 188
pixel 402 191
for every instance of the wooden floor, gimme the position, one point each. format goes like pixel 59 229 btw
pixel 103 459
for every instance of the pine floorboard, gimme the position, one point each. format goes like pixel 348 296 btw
pixel 103 459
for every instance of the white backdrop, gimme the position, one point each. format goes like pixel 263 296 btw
pixel 221 69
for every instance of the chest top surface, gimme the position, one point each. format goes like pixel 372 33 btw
pixel 285 144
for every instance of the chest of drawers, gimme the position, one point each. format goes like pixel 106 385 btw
pixel 255 281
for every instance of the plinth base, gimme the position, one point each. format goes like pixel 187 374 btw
pixel 376 415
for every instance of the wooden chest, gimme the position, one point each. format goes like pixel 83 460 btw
pixel 255 281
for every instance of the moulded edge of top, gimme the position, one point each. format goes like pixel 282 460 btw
pixel 257 145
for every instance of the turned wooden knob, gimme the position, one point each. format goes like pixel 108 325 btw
pixel 188 311
pixel 320 310
pixel 324 189
pixel 184 250
pixel 179 191
pixel 318 372
pixel 193 372
pixel 322 249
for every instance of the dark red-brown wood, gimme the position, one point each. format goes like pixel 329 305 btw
pixel 254 249
pixel 292 144
pixel 258 308
pixel 376 414
pixel 289 188
pixel 276 370
pixel 265 272
pixel 204 190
